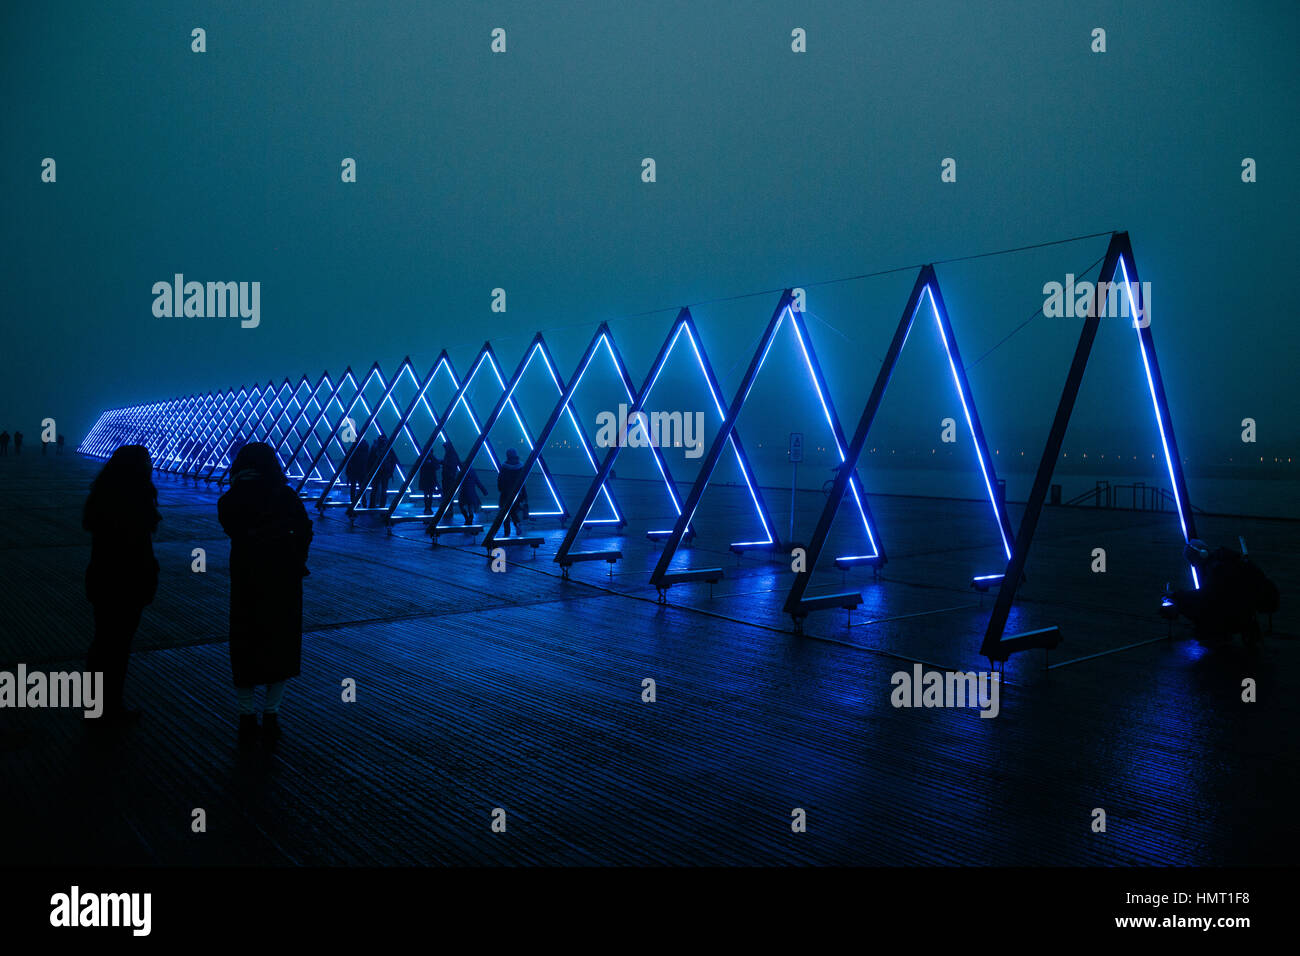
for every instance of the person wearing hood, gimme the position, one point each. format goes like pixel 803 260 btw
pixel 355 469
pixel 269 536
pixel 514 496
pixel 121 515
pixel 450 466
pixel 429 480
pixel 383 462
pixel 470 502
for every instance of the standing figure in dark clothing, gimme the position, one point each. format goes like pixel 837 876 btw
pixel 4 444
pixel 121 515
pixel 387 468
pixel 18 443
pixel 450 467
pixel 59 442
pixel 381 467
pixel 470 502
pixel 355 469
pixel 510 480
pixel 269 536
pixel 429 481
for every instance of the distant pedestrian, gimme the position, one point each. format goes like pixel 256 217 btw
pixel 514 496
pixel 270 534
pixel 59 442
pixel 355 469
pixel 121 515
pixel 450 469
pixel 470 502
pixel 382 465
pixel 18 443
pixel 387 469
pixel 4 444
pixel 429 481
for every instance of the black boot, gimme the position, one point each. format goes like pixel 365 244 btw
pixel 271 726
pixel 248 728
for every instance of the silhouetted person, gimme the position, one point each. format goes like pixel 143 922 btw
pixel 450 475
pixel 59 441
pixel 355 469
pixel 121 515
pixel 376 456
pixel 450 467
pixel 4 444
pixel 510 479
pixel 18 443
pixel 269 536
pixel 470 502
pixel 1233 591
pixel 385 463
pixel 429 481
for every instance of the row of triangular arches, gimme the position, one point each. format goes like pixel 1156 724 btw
pixel 326 434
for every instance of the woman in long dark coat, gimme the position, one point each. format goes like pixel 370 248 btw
pixel 269 536
pixel 121 515
pixel 510 480
pixel 450 467
pixel 470 502
pixel 429 481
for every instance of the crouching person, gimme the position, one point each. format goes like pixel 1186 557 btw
pixel 1233 592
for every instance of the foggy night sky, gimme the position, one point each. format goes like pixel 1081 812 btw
pixel 522 171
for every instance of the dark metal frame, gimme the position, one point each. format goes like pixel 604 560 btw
pixel 726 432
pixel 537 344
pixel 403 367
pixel 261 424
pixel 926 284
pixel 443 361
pixel 460 395
pixel 221 425
pixel 256 397
pixel 268 412
pixel 563 404
pixel 332 398
pixel 606 466
pixel 1119 258
pixel 212 423
pixel 292 429
pixel 332 437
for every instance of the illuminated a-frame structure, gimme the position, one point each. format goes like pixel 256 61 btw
pixel 420 399
pixel 484 359
pixel 566 557
pixel 662 577
pixel 925 292
pixel 196 436
pixel 997 645
pixel 537 347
